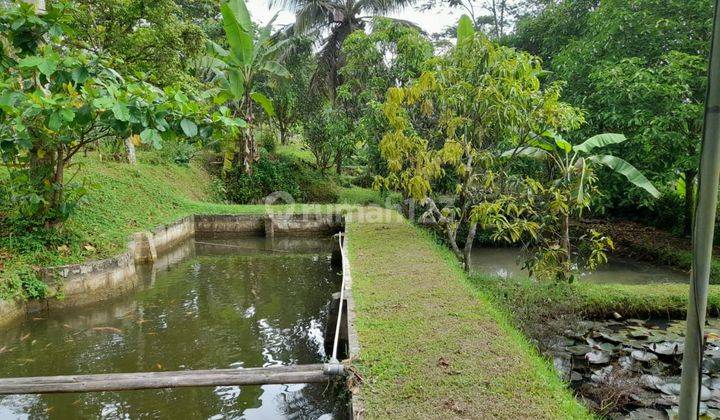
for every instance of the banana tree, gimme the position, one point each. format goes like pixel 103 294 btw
pixel 254 53
pixel 571 169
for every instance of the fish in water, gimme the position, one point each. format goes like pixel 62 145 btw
pixel 108 330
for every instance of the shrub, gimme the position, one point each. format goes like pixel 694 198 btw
pixel 279 174
pixel 268 139
pixel 172 152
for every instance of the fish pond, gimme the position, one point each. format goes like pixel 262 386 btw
pixel 208 303
pixel 507 263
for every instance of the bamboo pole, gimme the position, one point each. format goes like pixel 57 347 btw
pixel 296 374
pixel 703 231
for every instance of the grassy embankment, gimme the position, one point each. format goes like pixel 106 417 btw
pixel 596 301
pixel 123 199
pixel 432 346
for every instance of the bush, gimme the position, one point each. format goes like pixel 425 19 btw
pixel 279 174
pixel 172 152
pixel 268 139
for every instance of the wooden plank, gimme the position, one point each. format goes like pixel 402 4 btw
pixel 150 380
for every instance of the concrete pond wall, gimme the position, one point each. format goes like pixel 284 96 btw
pixel 94 281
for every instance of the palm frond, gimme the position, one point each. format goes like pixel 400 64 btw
pixel 383 6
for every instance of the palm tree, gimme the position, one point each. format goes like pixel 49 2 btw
pixel 337 19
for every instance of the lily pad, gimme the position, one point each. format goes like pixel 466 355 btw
pixel 612 338
pixel 597 357
pixel 667 348
pixel 626 362
pixel 645 414
pixel 670 388
pixel 643 356
pixel 651 381
pixel 579 349
pixel 601 374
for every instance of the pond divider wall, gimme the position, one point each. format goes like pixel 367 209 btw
pixel 94 281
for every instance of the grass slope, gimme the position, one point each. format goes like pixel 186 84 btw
pixel 432 346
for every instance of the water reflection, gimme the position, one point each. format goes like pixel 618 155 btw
pixel 507 262
pixel 216 303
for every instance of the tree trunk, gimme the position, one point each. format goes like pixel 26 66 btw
pixel 467 250
pixel 566 238
pixel 283 134
pixel 689 176
pixel 58 188
pixel 338 162
pixel 130 146
pixel 246 152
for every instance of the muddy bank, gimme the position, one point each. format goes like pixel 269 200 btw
pixel 646 243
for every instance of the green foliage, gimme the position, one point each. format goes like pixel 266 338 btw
pixel 392 55
pixel 456 118
pixel 172 153
pixel 546 202
pixel 637 67
pixel 292 179
pixel 289 94
pixel 252 55
pixel 336 19
pixel 327 134
pixel 140 37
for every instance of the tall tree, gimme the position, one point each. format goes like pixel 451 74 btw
pixel 140 36
pixel 392 55
pixel 477 98
pixel 289 94
pixel 338 19
pixel 637 67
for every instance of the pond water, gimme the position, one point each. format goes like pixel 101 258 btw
pixel 507 262
pixel 209 303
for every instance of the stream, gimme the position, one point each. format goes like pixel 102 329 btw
pixel 208 303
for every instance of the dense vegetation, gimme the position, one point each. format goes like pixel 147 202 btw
pixel 480 139
pixel 558 126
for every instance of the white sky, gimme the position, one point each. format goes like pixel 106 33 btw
pixel 431 21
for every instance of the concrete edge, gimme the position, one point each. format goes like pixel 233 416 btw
pixel 358 411
pixel 98 280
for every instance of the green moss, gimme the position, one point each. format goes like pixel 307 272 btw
pixel 432 345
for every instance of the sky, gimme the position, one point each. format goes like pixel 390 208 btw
pixel 431 21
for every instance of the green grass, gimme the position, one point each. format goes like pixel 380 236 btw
pixel 296 150
pixel 367 196
pixel 596 300
pixel 432 345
